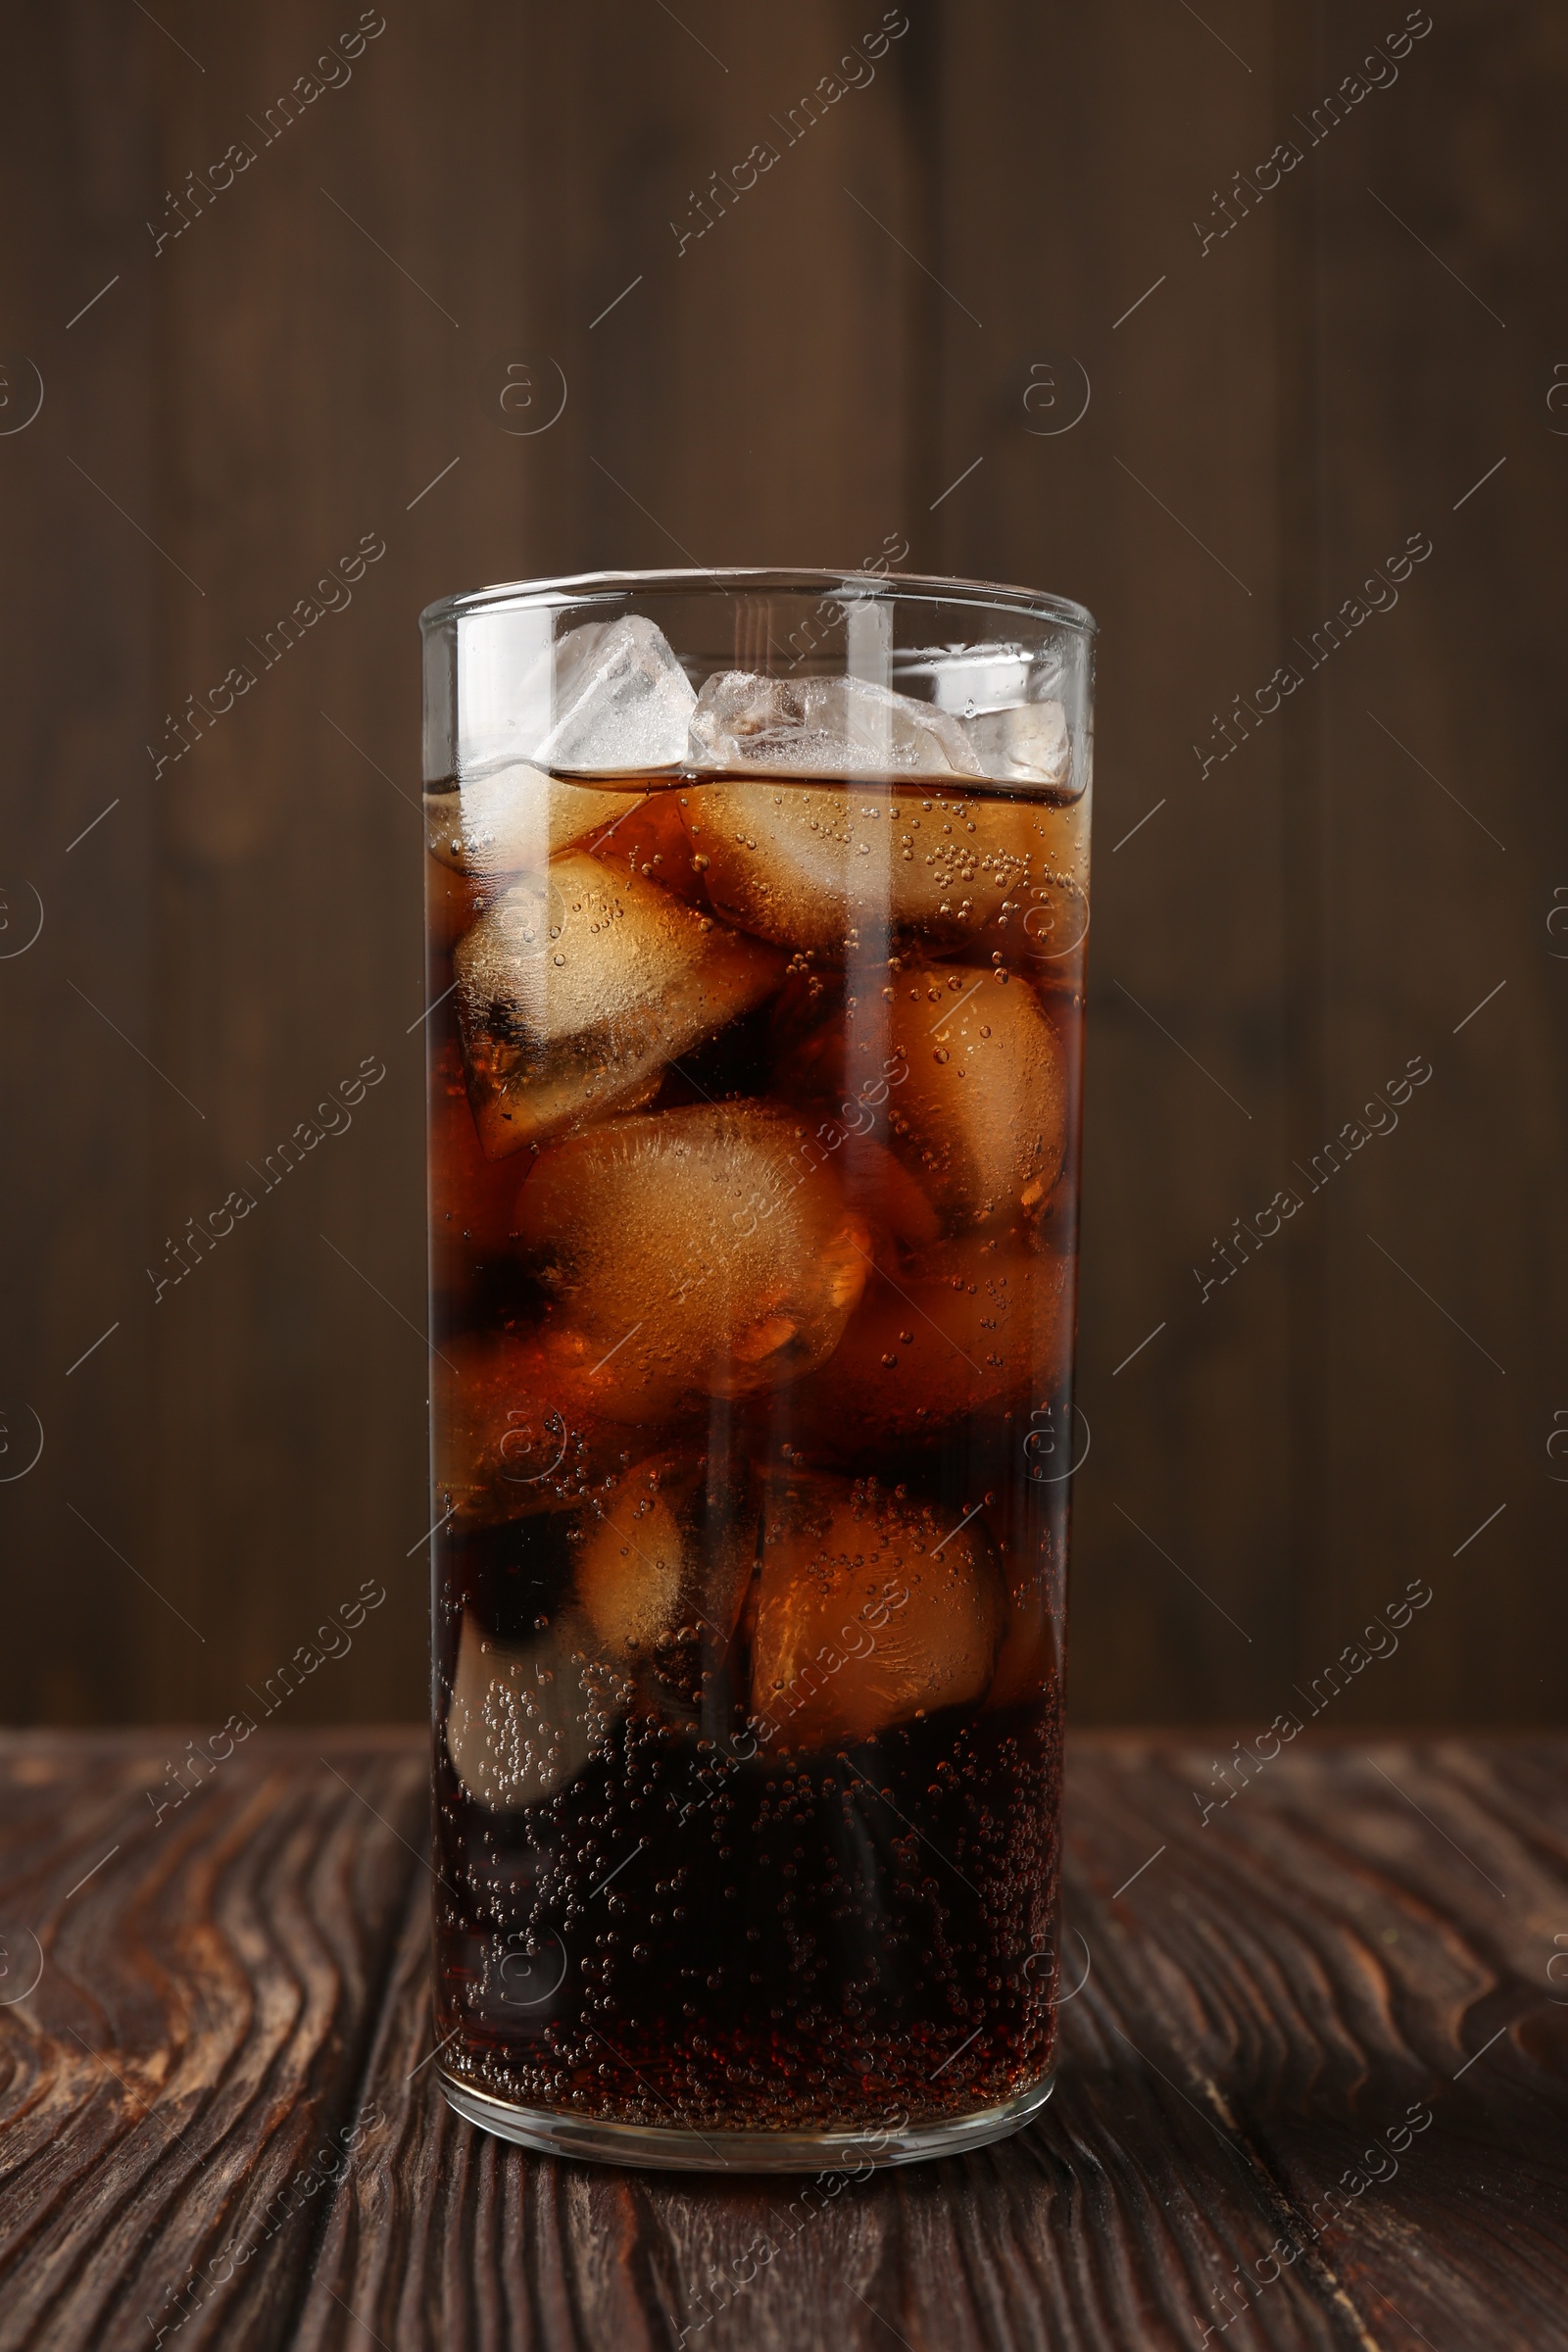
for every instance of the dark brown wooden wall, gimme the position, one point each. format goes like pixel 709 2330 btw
pixel 317 356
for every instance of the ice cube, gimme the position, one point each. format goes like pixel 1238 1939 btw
pixel 872 1610
pixel 703 1251
pixel 969 1326
pixel 972 1078
pixel 622 703
pixel 661 1577
pixel 982 1119
pixel 966 869
pixel 779 860
pixel 516 1433
pixel 514 820
pixel 1027 744
pixel 524 1717
pixel 879 1188
pixel 578 985
pixel 812 865
pixel 823 727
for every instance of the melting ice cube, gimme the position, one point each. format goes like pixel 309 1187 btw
pixel 1026 744
pixel 578 985
pixel 823 727
pixel 966 1326
pixel 970 1077
pixel 811 864
pixel 872 1610
pixel 526 1717
pixel 514 820
pixel 661 1576
pixel 622 701
pixel 965 869
pixel 983 1117
pixel 701 1251
pixel 779 860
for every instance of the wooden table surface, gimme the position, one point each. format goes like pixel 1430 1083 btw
pixel 1313 2087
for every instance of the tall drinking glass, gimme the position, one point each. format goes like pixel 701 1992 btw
pixel 758 909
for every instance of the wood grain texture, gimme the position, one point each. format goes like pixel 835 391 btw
pixel 1347 1970
pixel 178 2083
pixel 1161 509
pixel 803 381
pixel 76 1151
pixel 1443 843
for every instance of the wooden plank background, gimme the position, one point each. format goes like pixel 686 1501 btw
pixel 958 244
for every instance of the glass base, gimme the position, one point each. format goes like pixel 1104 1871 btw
pixel 658 2148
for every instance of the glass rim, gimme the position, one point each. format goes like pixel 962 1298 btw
pixel 567 589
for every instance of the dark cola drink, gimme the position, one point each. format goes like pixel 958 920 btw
pixel 754 1117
